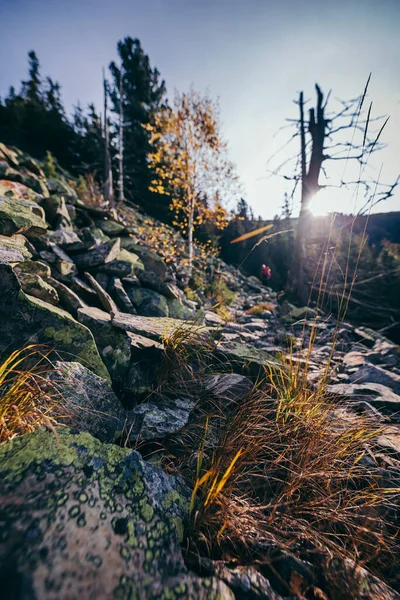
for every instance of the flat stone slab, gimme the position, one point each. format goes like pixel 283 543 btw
pixel 376 394
pixel 151 327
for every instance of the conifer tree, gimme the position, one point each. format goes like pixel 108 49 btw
pixel 143 95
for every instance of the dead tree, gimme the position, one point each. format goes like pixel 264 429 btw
pixel 108 190
pixel 326 138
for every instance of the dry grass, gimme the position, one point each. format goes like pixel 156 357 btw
pixel 26 397
pixel 282 469
pixel 259 309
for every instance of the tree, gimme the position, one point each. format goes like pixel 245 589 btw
pixel 326 138
pixel 143 95
pixel 108 179
pixel 189 159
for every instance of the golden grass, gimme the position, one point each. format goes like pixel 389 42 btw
pixel 282 469
pixel 259 309
pixel 27 400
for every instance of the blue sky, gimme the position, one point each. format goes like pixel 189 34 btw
pixel 255 55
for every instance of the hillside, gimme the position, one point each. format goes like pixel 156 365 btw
pixel 184 436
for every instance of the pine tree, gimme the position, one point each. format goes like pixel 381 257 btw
pixel 143 95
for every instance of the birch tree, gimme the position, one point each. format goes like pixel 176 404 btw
pixel 191 165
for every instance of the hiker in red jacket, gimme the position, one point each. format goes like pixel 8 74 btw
pixel 265 273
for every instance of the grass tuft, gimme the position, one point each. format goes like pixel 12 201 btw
pixel 27 400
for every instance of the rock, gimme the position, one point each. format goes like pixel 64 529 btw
pixel 33 283
pixel 299 313
pixel 353 581
pixel 57 213
pixel 24 318
pixel 231 387
pixel 125 264
pixel 153 304
pixel 150 260
pixel 13 249
pixel 151 327
pixel 81 288
pixel 89 401
pixel 69 299
pixel 366 336
pixel 152 282
pixel 177 310
pixel 153 421
pixel 110 227
pixel 18 190
pixel 105 299
pixel 93 237
pixel 378 395
pixel 139 342
pixel 374 374
pixel 114 345
pixel 61 187
pixel 80 519
pixel 121 297
pixel 68 240
pixel 28 179
pixel 117 268
pixel 99 255
pixel 147 302
pixel 247 358
pixel 21 216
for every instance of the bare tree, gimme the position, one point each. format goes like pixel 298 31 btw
pixel 108 178
pixel 327 137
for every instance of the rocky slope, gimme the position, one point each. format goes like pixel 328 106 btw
pixel 104 290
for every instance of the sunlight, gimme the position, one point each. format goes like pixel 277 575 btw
pixel 331 200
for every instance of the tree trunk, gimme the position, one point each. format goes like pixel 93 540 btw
pixel 190 232
pixel 121 142
pixel 298 279
pixel 108 179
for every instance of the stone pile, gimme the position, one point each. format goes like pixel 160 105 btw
pixel 80 516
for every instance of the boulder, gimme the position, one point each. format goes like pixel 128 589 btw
pixel 150 260
pixel 21 216
pixel 110 227
pixel 56 212
pixel 34 283
pixel 152 282
pixel 89 401
pixel 18 190
pixel 80 519
pixel 68 240
pixel 24 318
pixel 153 421
pixel 151 327
pixel 231 387
pixel 99 255
pixel 114 345
pixel 23 176
pixel 13 249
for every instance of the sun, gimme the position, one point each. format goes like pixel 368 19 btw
pixel 333 199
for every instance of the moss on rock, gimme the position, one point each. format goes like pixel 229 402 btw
pixel 79 519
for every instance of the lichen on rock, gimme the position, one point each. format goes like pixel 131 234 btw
pixel 79 519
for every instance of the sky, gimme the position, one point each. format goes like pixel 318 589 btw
pixel 253 55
